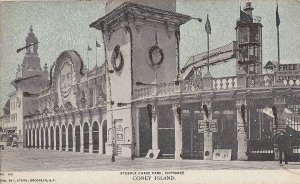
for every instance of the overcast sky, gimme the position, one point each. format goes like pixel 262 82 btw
pixel 65 25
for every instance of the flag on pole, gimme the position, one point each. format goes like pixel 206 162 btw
pixel 207 26
pixel 277 17
pixel 89 48
pixel 97 44
pixel 244 17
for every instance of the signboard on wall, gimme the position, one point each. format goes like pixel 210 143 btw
pixel 213 126
pixel 288 72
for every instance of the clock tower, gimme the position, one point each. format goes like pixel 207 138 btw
pixel 141 45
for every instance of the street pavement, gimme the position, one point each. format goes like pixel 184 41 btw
pixel 25 159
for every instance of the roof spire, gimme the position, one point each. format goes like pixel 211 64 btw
pixel 31 29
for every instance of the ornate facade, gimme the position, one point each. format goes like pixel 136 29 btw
pixel 139 101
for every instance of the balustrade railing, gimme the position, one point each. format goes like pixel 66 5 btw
pixel 218 84
pixel 225 83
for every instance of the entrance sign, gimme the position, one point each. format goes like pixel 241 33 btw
pixel 222 154
pixel 288 72
pixel 153 154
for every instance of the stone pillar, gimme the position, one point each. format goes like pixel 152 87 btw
pixel 54 137
pixel 154 126
pixel 100 138
pixel 241 130
pixel 74 139
pixel 45 137
pixel 60 139
pixel 49 137
pixel 40 138
pixel 28 138
pixel 177 111
pixel 81 139
pixel 67 137
pixel 90 139
pixel 208 135
pixel 137 132
pixel 280 125
pixel 32 143
pixel 35 140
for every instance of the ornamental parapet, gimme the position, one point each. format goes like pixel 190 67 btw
pixel 254 83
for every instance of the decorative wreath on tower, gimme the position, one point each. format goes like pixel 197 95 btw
pixel 155 50
pixel 117 54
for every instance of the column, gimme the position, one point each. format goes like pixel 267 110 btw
pixel 137 132
pixel 49 137
pixel 40 138
pixel 154 126
pixel 242 137
pixel 54 137
pixel 60 139
pixel 31 138
pixel 67 137
pixel 81 139
pixel 90 139
pixel 208 135
pixel 28 138
pixel 74 139
pixel 44 132
pixel 35 138
pixel 279 124
pixel 177 111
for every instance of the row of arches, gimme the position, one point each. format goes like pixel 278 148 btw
pixel 69 138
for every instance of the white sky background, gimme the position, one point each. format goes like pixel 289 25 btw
pixel 62 26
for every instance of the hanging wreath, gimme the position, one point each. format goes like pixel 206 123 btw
pixel 117 54
pixel 152 52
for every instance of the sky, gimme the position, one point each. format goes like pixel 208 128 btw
pixel 64 25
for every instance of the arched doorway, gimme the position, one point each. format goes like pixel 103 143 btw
pixel 52 137
pixel 70 137
pixel 104 136
pixel 57 137
pixel 42 138
pixel 86 137
pixel 95 137
pixel 46 138
pixel 33 138
pixel 77 136
pixel 29 140
pixel 37 138
pixel 63 137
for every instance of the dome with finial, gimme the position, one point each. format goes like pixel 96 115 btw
pixel 31 38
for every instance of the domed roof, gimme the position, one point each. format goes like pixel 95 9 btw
pixel 31 38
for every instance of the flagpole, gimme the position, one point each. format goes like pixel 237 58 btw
pixel 96 53
pixel 207 52
pixel 278 50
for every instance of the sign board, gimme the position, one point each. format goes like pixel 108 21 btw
pixel 222 154
pixel 288 72
pixel 213 126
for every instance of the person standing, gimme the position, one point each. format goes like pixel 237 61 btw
pixel 283 145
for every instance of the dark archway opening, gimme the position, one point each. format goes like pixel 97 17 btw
pixel 33 138
pixel 42 138
pixel 104 136
pixel 95 137
pixel 70 138
pixel 47 138
pixel 57 137
pixel 63 137
pixel 86 137
pixel 77 136
pixel 52 138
